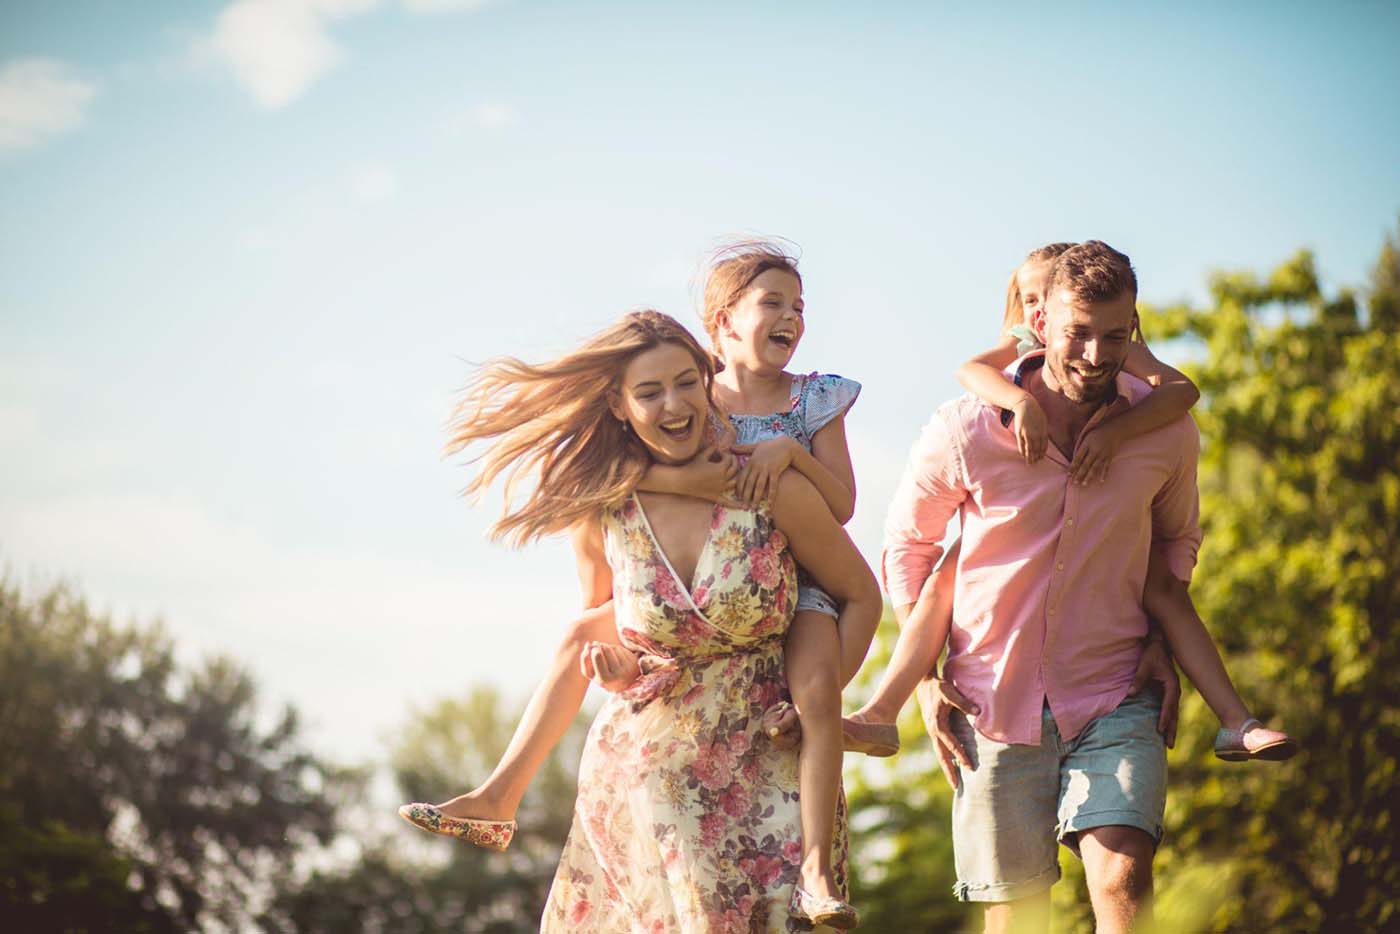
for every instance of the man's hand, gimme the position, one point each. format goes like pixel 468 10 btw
pixel 937 700
pixel 611 666
pixel 1156 665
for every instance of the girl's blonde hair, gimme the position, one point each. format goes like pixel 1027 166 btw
pixel 731 269
pixel 1015 310
pixel 552 422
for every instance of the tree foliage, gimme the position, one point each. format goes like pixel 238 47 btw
pixel 137 795
pixel 405 881
pixel 1299 578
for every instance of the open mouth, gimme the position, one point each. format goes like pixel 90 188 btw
pixel 678 429
pixel 784 339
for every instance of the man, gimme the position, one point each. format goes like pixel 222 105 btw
pixel 1052 739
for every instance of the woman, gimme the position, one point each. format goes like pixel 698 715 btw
pixel 687 816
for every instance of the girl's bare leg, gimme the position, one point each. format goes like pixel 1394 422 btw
pixel 551 710
pixel 918 647
pixel 1167 601
pixel 812 657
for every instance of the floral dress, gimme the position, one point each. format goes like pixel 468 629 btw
pixel 687 815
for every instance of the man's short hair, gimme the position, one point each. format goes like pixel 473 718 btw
pixel 1093 272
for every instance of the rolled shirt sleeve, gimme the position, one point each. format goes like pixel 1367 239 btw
pixel 1176 509
pixel 929 494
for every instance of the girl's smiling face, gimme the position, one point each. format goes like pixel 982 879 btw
pixel 662 397
pixel 1030 281
pixel 764 326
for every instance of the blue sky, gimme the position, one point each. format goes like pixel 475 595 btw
pixel 246 248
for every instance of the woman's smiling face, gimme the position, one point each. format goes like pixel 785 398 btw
pixel 662 397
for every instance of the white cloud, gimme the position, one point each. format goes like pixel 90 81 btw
pixel 494 114
pixel 40 98
pixel 279 48
pixel 373 182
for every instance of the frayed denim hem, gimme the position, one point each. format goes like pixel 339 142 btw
pixel 1006 891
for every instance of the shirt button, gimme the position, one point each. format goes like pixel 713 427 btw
pixel 1069 521
pixel 1050 612
pixel 1060 566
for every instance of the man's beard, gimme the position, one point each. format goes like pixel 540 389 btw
pixel 1103 391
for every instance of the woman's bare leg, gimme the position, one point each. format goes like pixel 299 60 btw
pixel 551 710
pixel 813 658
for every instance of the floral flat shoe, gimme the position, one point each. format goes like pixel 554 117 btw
pixel 873 739
pixel 829 911
pixel 491 834
pixel 1253 740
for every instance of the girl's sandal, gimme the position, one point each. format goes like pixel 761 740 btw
pixel 874 739
pixel 491 834
pixel 1253 740
pixel 829 911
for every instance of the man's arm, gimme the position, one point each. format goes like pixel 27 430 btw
pixel 929 494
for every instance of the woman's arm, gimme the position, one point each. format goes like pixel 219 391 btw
pixel 1172 396
pixel 821 545
pixel 591 560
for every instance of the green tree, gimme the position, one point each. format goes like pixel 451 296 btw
pixel 136 795
pixel 1299 577
pixel 392 888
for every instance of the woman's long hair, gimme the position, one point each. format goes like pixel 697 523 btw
pixel 551 422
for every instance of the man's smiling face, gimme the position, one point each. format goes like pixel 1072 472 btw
pixel 1086 343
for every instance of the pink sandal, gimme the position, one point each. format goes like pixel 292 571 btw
pixel 1253 740
pixel 874 739
pixel 491 834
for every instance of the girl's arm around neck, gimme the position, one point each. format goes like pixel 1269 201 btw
pixel 983 377
pixel 1173 394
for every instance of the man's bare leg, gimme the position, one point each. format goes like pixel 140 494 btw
pixel 1118 869
pixel 1029 915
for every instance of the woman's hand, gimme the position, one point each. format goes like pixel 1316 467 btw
pixel 1032 433
pixel 1093 454
pixel 758 478
pixel 610 666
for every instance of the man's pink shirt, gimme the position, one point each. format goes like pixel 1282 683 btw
pixel 1048 600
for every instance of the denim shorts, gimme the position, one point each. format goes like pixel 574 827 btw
pixel 1019 802
pixel 814 598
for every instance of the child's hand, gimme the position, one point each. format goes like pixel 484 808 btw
pixel 1032 434
pixel 758 478
pixel 1091 457
pixel 711 477
pixel 611 666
